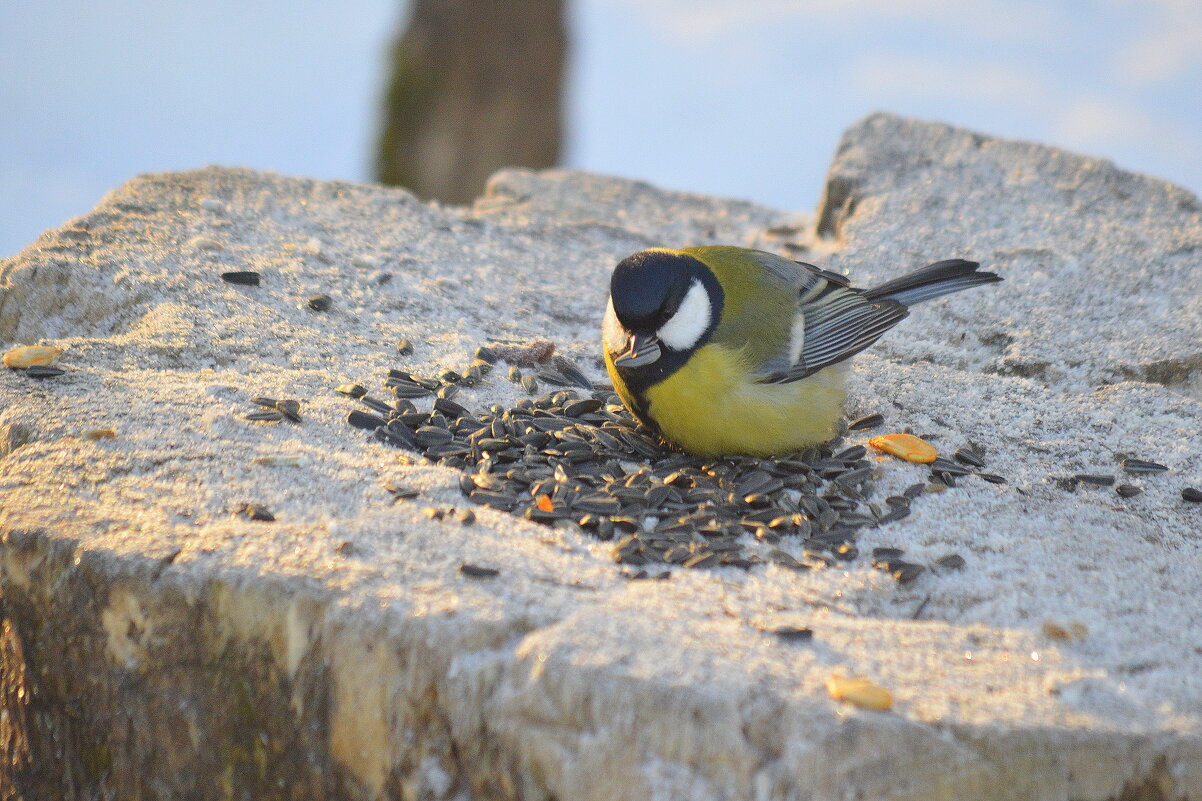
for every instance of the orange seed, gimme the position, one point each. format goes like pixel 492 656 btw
pixel 905 446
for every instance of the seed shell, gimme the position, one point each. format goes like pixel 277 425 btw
pixel 26 356
pixel 905 446
pixel 859 692
pixel 478 572
pixel 1142 466
pixel 866 422
pixel 1191 494
pixel 320 302
pixel 43 371
pixel 242 277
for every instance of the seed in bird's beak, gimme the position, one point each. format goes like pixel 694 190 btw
pixel 642 350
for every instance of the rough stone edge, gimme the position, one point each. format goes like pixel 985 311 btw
pixel 134 680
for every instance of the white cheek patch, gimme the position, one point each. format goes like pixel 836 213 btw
pixel 613 335
pixel 685 328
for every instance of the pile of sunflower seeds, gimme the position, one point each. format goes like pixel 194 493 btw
pixel 575 457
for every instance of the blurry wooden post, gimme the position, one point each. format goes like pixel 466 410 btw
pixel 476 85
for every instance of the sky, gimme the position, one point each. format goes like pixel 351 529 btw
pixel 743 98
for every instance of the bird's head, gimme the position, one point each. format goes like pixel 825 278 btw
pixel 663 305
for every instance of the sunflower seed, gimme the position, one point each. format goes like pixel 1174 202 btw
pixel 969 457
pixel 375 404
pixel 486 354
pixel 794 633
pixel 1191 494
pixel 352 390
pixel 866 422
pixel 264 401
pixel 400 492
pixel 243 277
pixel 407 389
pixel 290 409
pixel 365 421
pixel 478 572
pixel 320 302
pixel 1141 466
pixel 404 347
pixel 1094 479
pixel 529 385
pixel 1128 490
pixel 991 478
pixel 941 465
pixel 271 416
pixel 43 371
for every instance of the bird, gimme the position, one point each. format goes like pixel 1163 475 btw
pixel 724 350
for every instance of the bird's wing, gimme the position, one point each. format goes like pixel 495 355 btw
pixel 833 322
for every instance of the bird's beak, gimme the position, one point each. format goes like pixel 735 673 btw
pixel 643 349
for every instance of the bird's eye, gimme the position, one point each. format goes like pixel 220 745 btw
pixel 672 303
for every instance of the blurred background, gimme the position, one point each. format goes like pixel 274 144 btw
pixel 743 98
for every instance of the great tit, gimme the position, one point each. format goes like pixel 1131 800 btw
pixel 725 350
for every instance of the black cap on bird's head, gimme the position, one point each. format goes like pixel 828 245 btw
pixel 664 301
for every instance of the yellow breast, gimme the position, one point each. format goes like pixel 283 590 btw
pixel 712 407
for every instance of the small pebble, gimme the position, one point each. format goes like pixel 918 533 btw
pixel 404 347
pixel 320 302
pixel 242 277
pixel 254 511
pixel 951 561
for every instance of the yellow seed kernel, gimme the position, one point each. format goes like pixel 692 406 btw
pixel 28 355
pixel 859 692
pixel 905 446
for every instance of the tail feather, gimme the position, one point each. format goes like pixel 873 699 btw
pixel 933 281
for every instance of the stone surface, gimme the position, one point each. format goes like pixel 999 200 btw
pixel 157 645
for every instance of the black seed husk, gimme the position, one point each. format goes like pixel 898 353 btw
pixel 866 422
pixel 320 302
pixel 242 277
pixel 478 572
pixel 43 371
pixel 794 633
pixel 365 421
pixel 1191 494
pixel 1095 479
